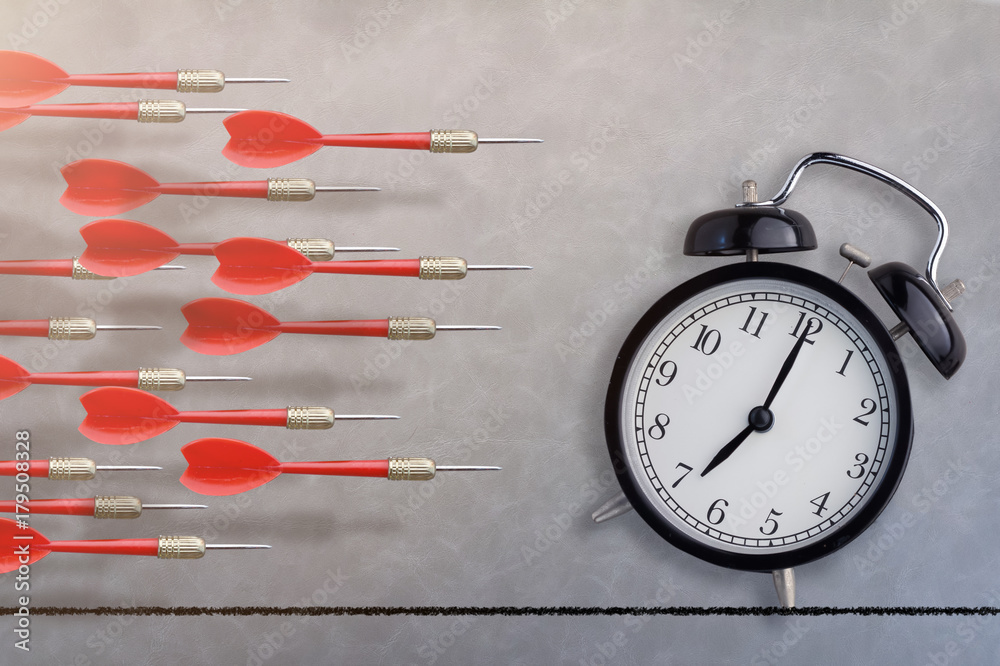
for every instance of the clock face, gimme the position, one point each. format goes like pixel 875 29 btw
pixel 760 416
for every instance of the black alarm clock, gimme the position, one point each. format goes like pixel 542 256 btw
pixel 758 415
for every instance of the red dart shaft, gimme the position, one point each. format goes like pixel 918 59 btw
pixel 372 468
pixel 129 378
pixel 203 249
pixel 263 417
pixel 254 189
pixel 373 328
pixel 67 507
pixel 106 546
pixel 38 328
pixel 405 141
pixel 149 80
pixel 115 110
pixel 51 267
pixel 35 467
pixel 394 267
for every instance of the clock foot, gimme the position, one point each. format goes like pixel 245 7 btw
pixel 613 508
pixel 784 583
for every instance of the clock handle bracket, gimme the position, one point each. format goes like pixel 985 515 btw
pixel 885 177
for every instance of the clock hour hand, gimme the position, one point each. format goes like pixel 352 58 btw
pixel 729 449
pixel 761 418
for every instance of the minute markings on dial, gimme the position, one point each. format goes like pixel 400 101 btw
pixel 685 374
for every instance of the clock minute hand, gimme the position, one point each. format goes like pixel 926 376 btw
pixel 786 367
pixel 761 419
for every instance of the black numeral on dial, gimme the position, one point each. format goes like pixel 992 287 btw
pixel 708 341
pixel 868 404
pixel 850 353
pixel 820 503
pixel 687 470
pixel 774 523
pixel 669 370
pixel 659 427
pixel 715 513
pixel 749 322
pixel 813 326
pixel 862 460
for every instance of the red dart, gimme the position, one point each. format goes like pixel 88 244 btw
pixel 63 328
pixel 64 469
pixel 260 266
pixel 14 378
pixel 117 415
pixel 265 139
pixel 71 268
pixel 20 544
pixel 108 187
pixel 144 111
pixel 219 466
pixel 125 247
pixel 102 506
pixel 226 326
pixel 26 78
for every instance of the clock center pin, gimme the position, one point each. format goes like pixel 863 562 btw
pixel 761 418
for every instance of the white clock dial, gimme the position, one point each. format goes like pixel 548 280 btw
pixel 720 468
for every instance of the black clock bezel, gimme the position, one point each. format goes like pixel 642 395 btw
pixel 898 451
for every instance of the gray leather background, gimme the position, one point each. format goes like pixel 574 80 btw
pixel 652 114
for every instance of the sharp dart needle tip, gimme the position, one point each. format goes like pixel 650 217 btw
pixel 364 417
pixel 215 110
pixel 468 468
pixel 511 141
pixel 174 506
pixel 367 249
pixel 129 468
pixel 244 79
pixel 170 267
pixel 235 546
pixel 458 327
pixel 218 379
pixel 504 267
pixel 126 327
pixel 346 188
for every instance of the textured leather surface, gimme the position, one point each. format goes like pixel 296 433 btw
pixel 652 115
